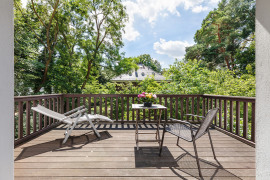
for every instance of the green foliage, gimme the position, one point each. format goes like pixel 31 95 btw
pixel 223 40
pixel 195 78
pixel 148 61
pixel 61 52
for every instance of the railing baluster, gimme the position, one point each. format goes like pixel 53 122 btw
pixel 133 112
pixel 166 104
pixel 203 107
pixel 207 104
pixel 106 111
pixel 61 103
pixel 198 107
pixel 116 109
pixel 28 117
pixel 40 116
pixel 45 117
pixel 89 105
pixel 225 114
pixel 237 117
pixel 122 110
pixel 100 105
pixel 171 107
pixel 143 115
pixel 95 105
pixel 253 122
pixel 176 107
pixel 182 108
pixel 245 120
pixel 111 109
pixel 54 108
pixel 215 116
pixel 192 108
pixel 128 108
pixel 34 117
pixel 220 114
pixel 50 106
pixel 231 116
pixel 20 123
pixel 187 107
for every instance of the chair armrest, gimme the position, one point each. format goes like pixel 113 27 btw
pixel 182 122
pixel 74 110
pixel 75 114
pixel 195 115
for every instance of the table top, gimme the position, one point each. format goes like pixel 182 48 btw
pixel 154 106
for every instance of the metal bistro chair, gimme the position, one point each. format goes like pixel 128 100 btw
pixel 187 132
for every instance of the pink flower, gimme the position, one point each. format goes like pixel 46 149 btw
pixel 143 93
pixel 155 96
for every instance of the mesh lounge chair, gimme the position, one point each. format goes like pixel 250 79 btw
pixel 72 118
pixel 187 132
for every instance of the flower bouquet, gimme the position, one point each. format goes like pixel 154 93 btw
pixel 147 98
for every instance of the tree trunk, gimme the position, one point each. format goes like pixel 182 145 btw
pixel 87 75
pixel 45 73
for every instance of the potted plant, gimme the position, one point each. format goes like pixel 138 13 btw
pixel 147 98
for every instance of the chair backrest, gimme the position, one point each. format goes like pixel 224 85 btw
pixel 48 112
pixel 206 123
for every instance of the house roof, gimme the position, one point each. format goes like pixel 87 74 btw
pixel 139 75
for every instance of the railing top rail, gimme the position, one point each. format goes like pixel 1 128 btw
pixel 36 97
pixel 129 95
pixel 234 98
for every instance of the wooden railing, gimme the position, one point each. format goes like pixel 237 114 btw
pixel 27 123
pixel 236 116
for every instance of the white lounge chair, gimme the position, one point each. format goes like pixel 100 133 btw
pixel 72 118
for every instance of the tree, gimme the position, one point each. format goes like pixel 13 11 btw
pixel 148 61
pixel 223 32
pixel 106 20
pixel 72 43
pixel 25 48
pixel 46 14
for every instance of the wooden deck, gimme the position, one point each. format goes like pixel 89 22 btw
pixel 114 156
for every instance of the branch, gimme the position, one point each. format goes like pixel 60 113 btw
pixel 30 26
pixel 37 14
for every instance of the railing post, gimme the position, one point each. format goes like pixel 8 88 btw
pixel 20 122
pixel 253 123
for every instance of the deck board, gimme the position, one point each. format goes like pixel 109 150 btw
pixel 114 156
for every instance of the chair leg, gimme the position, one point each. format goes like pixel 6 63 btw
pixel 93 126
pixel 161 144
pixel 197 157
pixel 68 132
pixel 210 139
pixel 177 141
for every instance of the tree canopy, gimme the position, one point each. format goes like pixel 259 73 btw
pixel 226 35
pixel 73 46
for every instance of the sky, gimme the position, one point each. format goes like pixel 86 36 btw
pixel 162 28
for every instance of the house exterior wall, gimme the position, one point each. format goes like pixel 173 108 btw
pixel 262 89
pixel 6 90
